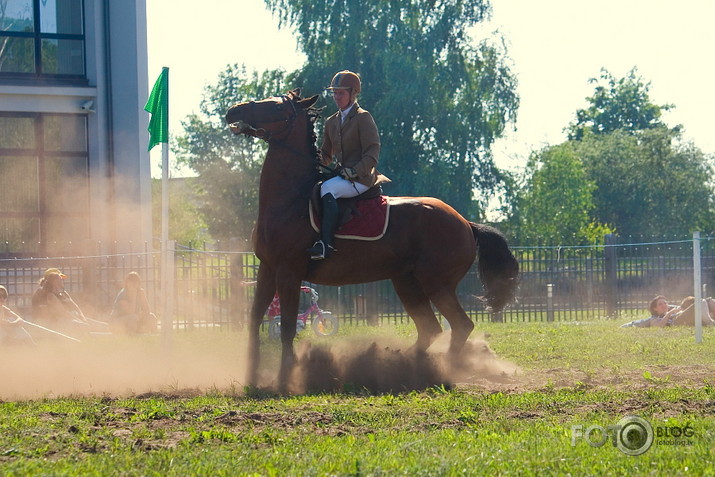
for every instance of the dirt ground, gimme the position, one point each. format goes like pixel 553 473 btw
pixel 367 365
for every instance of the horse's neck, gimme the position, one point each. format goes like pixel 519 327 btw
pixel 288 173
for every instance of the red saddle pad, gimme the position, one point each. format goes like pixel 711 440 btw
pixel 369 223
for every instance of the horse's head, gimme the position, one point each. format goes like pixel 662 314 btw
pixel 269 117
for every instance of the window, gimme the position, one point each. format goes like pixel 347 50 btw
pixel 42 38
pixel 44 176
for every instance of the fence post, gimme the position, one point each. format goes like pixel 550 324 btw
pixel 167 288
pixel 237 301
pixel 360 313
pixel 371 305
pixel 589 281
pixel 497 317
pixel 549 302
pixel 339 309
pixel 697 279
pixel 611 266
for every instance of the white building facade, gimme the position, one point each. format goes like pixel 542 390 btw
pixel 74 166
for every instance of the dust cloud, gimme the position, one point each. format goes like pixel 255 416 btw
pixel 390 365
pixel 119 366
pixel 200 362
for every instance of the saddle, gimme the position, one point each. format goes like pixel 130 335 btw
pixel 363 217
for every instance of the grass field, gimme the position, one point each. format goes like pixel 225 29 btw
pixel 542 408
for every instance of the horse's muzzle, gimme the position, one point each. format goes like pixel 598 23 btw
pixel 240 127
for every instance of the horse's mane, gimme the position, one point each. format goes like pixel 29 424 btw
pixel 313 115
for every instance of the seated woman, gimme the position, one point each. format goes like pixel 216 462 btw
pixel 11 329
pixel 131 314
pixel 55 308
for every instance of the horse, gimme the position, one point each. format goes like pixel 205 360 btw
pixel 425 251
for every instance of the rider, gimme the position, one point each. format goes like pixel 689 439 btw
pixel 352 141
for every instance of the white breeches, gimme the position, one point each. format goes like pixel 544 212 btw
pixel 340 187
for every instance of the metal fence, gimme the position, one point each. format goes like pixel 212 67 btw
pixel 213 287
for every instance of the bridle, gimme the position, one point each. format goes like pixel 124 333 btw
pixel 244 127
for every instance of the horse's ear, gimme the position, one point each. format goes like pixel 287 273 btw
pixel 294 93
pixel 308 102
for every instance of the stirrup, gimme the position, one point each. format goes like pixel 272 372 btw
pixel 320 251
pixel 317 251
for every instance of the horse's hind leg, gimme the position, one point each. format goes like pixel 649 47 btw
pixel 447 303
pixel 419 308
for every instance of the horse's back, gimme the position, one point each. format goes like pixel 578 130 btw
pixel 432 223
pixel 430 213
pixel 424 235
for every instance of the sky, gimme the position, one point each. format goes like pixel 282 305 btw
pixel 554 46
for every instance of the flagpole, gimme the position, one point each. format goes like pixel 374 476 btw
pixel 167 277
pixel 158 107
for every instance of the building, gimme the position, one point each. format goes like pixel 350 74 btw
pixel 74 166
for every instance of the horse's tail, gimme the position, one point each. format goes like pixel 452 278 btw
pixel 497 267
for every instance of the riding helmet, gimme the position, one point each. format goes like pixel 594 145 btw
pixel 345 80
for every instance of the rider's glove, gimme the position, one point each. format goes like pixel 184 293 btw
pixel 349 173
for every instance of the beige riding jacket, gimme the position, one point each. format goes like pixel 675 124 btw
pixel 354 143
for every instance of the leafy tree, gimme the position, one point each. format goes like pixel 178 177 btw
pixel 618 105
pixel 557 200
pixel 439 99
pixel 228 166
pixel 186 224
pixel 648 182
pixel 623 167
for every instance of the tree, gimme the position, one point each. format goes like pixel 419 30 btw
pixel 228 166
pixel 618 105
pixel 648 182
pixel 557 200
pixel 439 98
pixel 623 167
pixel 186 223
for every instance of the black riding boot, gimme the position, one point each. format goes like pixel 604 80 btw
pixel 321 249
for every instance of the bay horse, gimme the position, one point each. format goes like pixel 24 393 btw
pixel 426 250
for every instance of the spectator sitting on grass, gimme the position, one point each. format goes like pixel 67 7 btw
pixel 11 330
pixel 52 306
pixel 131 313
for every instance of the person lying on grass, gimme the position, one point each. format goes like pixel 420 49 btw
pixel 664 314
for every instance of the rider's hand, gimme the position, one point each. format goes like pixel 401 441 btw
pixel 349 173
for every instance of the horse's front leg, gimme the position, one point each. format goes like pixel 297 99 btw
pixel 289 293
pixel 265 290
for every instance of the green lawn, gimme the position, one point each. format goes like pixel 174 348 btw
pixel 563 381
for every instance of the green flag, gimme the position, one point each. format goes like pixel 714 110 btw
pixel 158 106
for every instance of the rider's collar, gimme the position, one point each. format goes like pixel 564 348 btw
pixel 344 112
